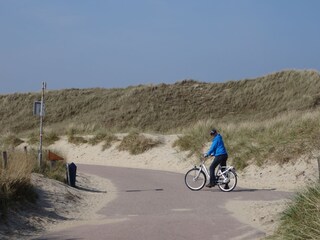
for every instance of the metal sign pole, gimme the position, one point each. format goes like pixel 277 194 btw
pixel 319 167
pixel 41 124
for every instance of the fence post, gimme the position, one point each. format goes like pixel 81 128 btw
pixel 4 160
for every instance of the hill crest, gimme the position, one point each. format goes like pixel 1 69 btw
pixel 166 107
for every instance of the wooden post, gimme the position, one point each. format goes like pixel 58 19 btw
pixel 25 148
pixel 319 167
pixel 4 160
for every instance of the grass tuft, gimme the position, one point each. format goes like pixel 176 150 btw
pixel 137 143
pixel 105 137
pixel 74 138
pixel 48 139
pixel 301 219
pixel 15 181
pixel 11 141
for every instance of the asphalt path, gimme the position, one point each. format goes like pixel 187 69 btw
pixel 156 205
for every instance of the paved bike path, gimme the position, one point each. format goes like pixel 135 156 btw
pixel 157 205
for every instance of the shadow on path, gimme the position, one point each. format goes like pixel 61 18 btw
pixel 90 189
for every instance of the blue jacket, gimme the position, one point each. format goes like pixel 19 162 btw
pixel 217 147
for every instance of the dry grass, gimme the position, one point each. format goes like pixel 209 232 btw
pixel 301 219
pixel 105 137
pixel 163 107
pixel 74 138
pixel 10 141
pixel 251 114
pixel 137 143
pixel 273 118
pixel 15 182
pixel 280 139
pixel 49 138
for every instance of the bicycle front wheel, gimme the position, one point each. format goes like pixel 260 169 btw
pixel 228 184
pixel 195 179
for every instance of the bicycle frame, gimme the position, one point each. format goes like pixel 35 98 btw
pixel 203 167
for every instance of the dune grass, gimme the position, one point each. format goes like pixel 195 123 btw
pixel 277 140
pixel 10 141
pixel 301 219
pixel 74 138
pixel 164 107
pixel 137 143
pixel 15 181
pixel 105 137
pixel 272 119
pixel 49 138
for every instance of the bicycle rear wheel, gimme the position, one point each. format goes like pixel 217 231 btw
pixel 195 179
pixel 228 184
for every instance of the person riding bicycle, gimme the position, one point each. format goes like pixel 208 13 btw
pixel 220 154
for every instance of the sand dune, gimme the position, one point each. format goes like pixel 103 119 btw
pixel 288 177
pixel 262 215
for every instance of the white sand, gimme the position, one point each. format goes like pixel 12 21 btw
pixel 288 177
pixel 261 214
pixel 162 157
pixel 58 206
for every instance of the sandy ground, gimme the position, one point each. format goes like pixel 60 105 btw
pixel 58 206
pixel 261 214
pixel 289 177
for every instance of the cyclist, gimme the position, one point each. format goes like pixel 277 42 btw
pixel 220 154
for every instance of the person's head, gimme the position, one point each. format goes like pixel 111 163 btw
pixel 213 132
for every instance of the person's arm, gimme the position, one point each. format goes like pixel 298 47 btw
pixel 212 149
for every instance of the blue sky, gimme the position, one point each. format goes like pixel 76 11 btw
pixel 120 43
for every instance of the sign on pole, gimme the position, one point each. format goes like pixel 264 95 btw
pixel 37 108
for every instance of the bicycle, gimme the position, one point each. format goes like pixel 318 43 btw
pixel 196 178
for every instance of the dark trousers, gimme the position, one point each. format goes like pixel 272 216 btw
pixel 222 160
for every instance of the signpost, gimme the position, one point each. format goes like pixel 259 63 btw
pixel 319 167
pixel 39 110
